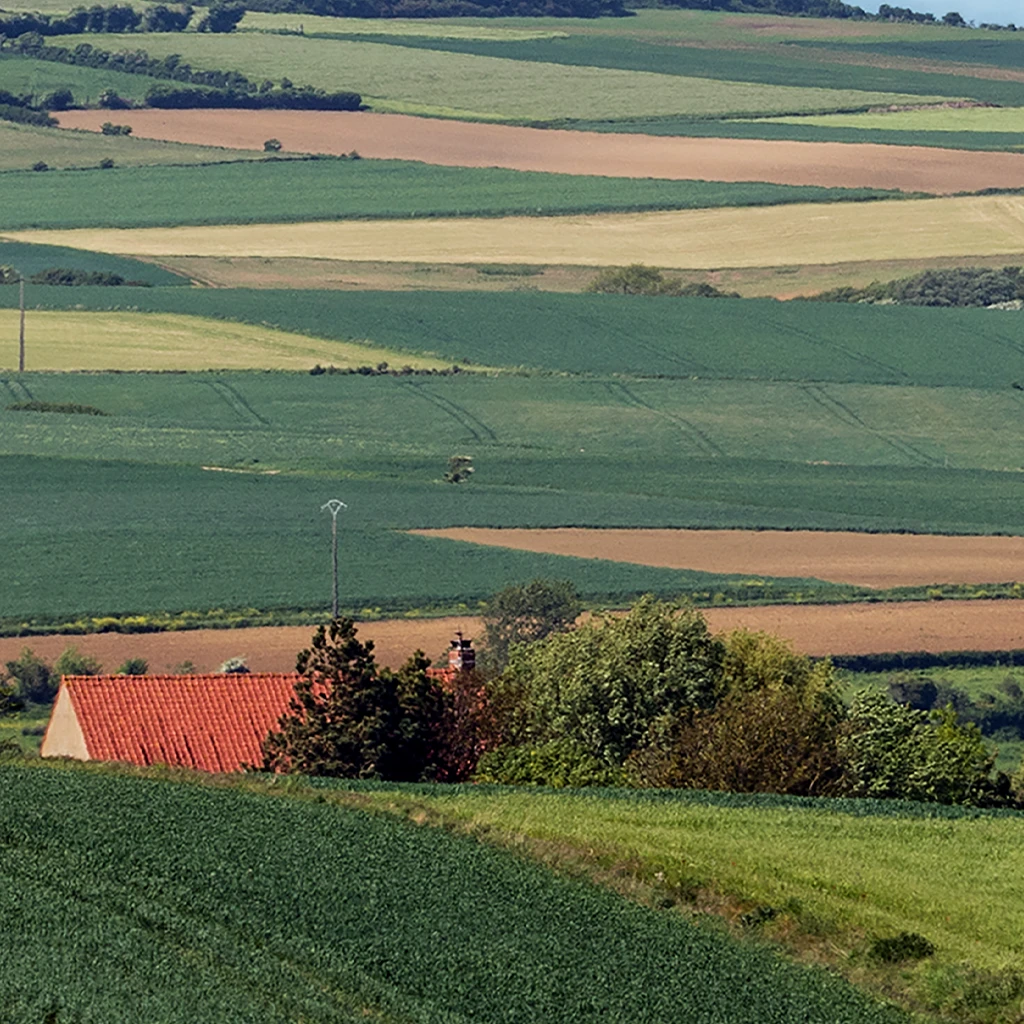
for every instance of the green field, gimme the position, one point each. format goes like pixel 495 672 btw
pixel 325 189
pixel 21 75
pixel 757 339
pixel 31 259
pixel 152 530
pixel 407 79
pixel 21 146
pixel 136 899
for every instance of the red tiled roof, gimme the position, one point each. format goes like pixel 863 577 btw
pixel 215 723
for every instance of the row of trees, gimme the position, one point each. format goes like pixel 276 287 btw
pixel 958 286
pixel 649 698
pixel 213 88
pixel 445 8
pixel 120 18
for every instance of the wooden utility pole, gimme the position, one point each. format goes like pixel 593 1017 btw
pixel 21 329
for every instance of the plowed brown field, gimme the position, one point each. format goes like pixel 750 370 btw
pixel 814 629
pixel 463 144
pixel 864 559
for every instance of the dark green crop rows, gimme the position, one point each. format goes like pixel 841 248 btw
pixel 297 190
pixel 129 899
pixel 757 339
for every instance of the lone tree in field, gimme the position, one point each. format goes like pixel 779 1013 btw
pixel 351 719
pixel 460 469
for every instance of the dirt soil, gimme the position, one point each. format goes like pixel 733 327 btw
pixel 812 629
pixel 864 559
pixel 464 144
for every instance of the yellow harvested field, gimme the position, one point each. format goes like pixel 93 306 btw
pixel 932 119
pixel 167 341
pixel 748 237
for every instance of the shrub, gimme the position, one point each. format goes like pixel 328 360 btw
pixel 106 163
pixel 74 662
pixel 40 165
pixel 238 664
pixel 903 947
pixel 109 128
pixel 133 667
pixel 559 763
pixel 61 99
pixel 272 146
pixel 33 678
pixel 110 100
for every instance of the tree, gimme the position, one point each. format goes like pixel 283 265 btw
pixel 893 750
pixel 272 146
pixel 460 469
pixel 133 667
pixel 33 678
pixel 954 19
pixel 775 730
pixel 73 662
pixel 526 613
pixel 350 719
pixel 611 683
pixel 222 17
pixel 636 279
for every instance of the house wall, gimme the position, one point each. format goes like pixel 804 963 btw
pixel 64 736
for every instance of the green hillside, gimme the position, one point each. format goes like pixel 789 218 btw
pixel 135 899
pixel 32 259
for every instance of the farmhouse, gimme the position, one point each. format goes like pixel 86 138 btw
pixel 215 723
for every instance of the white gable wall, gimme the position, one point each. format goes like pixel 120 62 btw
pixel 64 736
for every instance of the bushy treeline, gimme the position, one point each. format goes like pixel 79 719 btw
pixel 820 9
pixel 904 661
pixel 646 699
pixel 445 8
pixel 638 279
pixel 303 98
pixel 959 286
pixel 215 88
pixel 67 277
pixel 115 18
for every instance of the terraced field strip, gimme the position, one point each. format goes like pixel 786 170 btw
pixel 864 559
pixel 21 146
pixel 168 341
pixel 407 80
pixel 454 143
pixel 942 119
pixel 818 630
pixel 753 237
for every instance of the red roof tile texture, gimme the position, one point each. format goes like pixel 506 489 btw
pixel 215 723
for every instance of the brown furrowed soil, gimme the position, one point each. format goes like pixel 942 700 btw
pixel 464 144
pixel 863 559
pixel 813 629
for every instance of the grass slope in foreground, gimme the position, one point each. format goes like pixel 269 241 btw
pixel 134 899
pixel 828 876
pixel 409 80
pixel 326 189
pixel 21 146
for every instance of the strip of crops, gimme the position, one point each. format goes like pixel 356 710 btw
pixel 1000 51
pixel 38 77
pixel 607 334
pixel 133 899
pixel 297 190
pixel 22 146
pixel 801 132
pixel 32 259
pixel 766 66
pixel 397 77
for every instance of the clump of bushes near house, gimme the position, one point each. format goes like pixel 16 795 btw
pixel 646 699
